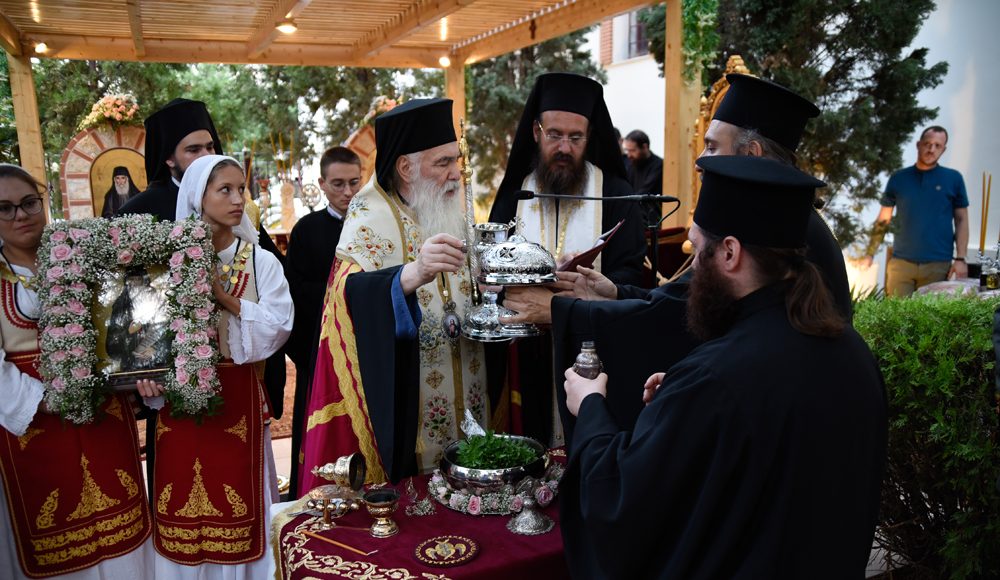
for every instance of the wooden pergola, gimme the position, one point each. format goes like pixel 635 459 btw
pixel 448 34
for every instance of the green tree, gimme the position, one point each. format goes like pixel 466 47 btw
pixel 699 20
pixel 8 130
pixel 499 87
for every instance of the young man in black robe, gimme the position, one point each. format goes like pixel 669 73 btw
pixel 565 144
pixel 645 172
pixel 312 247
pixel 176 135
pixel 760 454
pixel 632 327
pixel 122 189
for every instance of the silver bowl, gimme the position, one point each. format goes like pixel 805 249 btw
pixel 491 480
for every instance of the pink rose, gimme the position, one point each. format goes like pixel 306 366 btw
pixel 74 329
pixel 181 336
pixel 203 351
pixel 76 307
pixel 175 277
pixel 544 495
pixel 177 259
pixel 204 386
pixel 195 252
pixel 180 361
pixel 211 332
pixel 125 257
pixel 202 287
pixel 177 324
pixel 61 252
pixel 206 373
pixel 516 503
pixel 55 331
pixel 115 234
pixel 136 246
pixel 201 276
pixel 58 384
pixel 55 273
pixel 202 313
pixel 78 286
pixel 75 269
pixel 198 233
pixel 80 372
pixel 130 230
pixel 56 290
pixel 176 231
pixel 475 505
pixel 57 310
pixel 59 355
pixel 78 234
pixel 118 116
pixel 59 236
pixel 76 351
pixel 182 376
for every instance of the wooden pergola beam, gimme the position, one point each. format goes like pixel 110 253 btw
pixel 674 145
pixel 29 132
pixel 135 25
pixel 454 89
pixel 552 22
pixel 266 32
pixel 10 36
pixel 416 17
pixel 232 52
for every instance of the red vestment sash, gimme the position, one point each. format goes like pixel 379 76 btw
pixel 75 493
pixel 209 477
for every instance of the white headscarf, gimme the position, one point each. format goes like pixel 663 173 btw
pixel 192 192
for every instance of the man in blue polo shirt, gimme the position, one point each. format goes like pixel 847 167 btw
pixel 928 198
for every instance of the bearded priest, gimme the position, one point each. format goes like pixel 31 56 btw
pixel 393 375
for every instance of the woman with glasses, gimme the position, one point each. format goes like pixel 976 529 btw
pixel 72 503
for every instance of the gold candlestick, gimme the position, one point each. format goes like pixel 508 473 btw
pixel 470 216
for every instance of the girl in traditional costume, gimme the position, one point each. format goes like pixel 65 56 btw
pixel 72 502
pixel 214 476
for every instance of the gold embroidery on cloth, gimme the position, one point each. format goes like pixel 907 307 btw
pixel 206 531
pixel 326 414
pixel 115 408
pixel 424 297
pixel 218 547
pixel 198 503
pixel 434 379
pixel 234 499
pixel 92 499
pixel 161 503
pixel 474 365
pixel 46 516
pixel 88 549
pixel 128 483
pixel 103 526
pixel 161 428
pixel 239 429
pixel 368 244
pixel 30 434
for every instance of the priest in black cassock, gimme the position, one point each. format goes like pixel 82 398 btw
pixel 122 189
pixel 312 246
pixel 176 135
pixel 565 144
pixel 645 172
pixel 760 454
pixel 632 327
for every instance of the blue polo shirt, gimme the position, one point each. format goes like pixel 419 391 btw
pixel 925 203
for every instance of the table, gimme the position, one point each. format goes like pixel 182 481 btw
pixel 502 554
pixel 959 287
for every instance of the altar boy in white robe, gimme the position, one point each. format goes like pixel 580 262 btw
pixel 214 477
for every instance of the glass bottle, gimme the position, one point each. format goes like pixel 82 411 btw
pixel 587 364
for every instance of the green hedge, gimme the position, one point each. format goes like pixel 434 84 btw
pixel 940 513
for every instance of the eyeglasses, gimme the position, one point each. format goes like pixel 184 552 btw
pixel 574 140
pixel 30 206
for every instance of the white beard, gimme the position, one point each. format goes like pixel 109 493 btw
pixel 437 210
pixel 123 190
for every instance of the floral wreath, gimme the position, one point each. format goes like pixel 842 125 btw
pixel 502 502
pixel 116 110
pixel 380 104
pixel 72 258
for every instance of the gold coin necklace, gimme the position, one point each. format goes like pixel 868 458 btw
pixel 232 271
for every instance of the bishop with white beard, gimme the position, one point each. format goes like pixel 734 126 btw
pixel 389 380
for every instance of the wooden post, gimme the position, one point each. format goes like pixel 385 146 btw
pixel 454 89
pixel 29 132
pixel 674 152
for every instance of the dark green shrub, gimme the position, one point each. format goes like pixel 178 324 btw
pixel 940 505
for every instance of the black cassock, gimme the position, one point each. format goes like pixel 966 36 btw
pixel 761 456
pixel 312 247
pixel 646 176
pixel 621 261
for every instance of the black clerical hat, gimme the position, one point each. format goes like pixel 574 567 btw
pixel 168 127
pixel 569 92
pixel 415 125
pixel 774 111
pixel 756 200
pixel 120 170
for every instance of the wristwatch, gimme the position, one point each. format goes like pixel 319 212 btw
pixel 958 259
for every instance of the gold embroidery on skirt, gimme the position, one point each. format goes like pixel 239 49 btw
pixel 326 414
pixel 161 429
pixel 128 483
pixel 198 503
pixel 218 547
pixel 60 540
pixel 161 503
pixel 30 434
pixel 90 548
pixel 46 517
pixel 115 408
pixel 239 429
pixel 92 499
pixel 206 531
pixel 239 506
